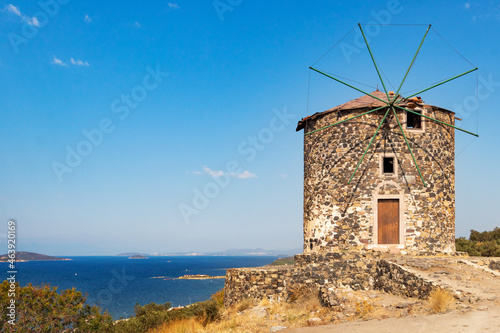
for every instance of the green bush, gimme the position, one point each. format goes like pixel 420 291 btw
pixel 146 317
pixel 206 312
pixel 42 309
pixel 153 315
pixel 485 244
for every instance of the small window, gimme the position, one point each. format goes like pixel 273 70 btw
pixel 388 165
pixel 413 121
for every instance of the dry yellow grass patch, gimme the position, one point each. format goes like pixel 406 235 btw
pixel 180 326
pixel 440 300
pixel 244 318
pixel 364 308
pixel 245 304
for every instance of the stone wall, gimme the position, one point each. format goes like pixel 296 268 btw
pixel 337 270
pixel 338 216
pixel 257 283
pixel 395 279
pixel 494 264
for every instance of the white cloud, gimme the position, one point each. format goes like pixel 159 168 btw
pixel 32 21
pixel 137 24
pixel 59 62
pixel 79 62
pixel 87 19
pixel 213 173
pixel 220 173
pixel 244 175
pixel 16 11
pixel 13 9
pixel 173 5
pixel 467 5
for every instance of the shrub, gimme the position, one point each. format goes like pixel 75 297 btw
pixel 486 243
pixel 146 317
pixel 218 297
pixel 42 309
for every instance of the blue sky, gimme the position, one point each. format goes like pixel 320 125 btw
pixel 115 115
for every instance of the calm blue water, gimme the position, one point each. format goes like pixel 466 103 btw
pixel 118 283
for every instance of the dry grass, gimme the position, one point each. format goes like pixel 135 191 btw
pixel 244 317
pixel 440 300
pixel 304 303
pixel 237 318
pixel 364 308
pixel 180 326
pixel 245 304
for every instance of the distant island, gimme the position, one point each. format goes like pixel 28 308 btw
pixel 199 277
pixel 231 252
pixel 138 256
pixel 30 256
pixel 130 254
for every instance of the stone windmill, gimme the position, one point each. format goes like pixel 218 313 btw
pixel 379 172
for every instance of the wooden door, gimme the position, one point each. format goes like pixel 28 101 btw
pixel 388 221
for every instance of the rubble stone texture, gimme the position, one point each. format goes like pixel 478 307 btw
pixel 339 216
pixel 330 271
pixel 341 248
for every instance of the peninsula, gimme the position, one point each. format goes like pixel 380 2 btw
pixel 30 256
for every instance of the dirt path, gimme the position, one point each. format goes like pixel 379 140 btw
pixel 457 321
pixel 478 311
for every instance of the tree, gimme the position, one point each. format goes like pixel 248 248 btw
pixel 42 309
pixel 486 243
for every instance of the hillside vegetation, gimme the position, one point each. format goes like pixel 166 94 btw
pixel 485 244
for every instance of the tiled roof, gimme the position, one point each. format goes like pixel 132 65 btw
pixel 366 102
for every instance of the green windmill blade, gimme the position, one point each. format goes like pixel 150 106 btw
pixel 443 82
pixel 347 84
pixel 412 61
pixel 343 121
pixel 436 120
pixel 391 104
pixel 374 62
pixel 408 145
pixel 369 144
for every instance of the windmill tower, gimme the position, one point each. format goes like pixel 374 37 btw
pixel 379 173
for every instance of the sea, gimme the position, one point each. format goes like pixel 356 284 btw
pixel 116 283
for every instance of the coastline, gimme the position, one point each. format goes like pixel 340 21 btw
pixel 23 260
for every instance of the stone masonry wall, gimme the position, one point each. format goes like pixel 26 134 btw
pixel 330 270
pixel 338 216
pixel 394 279
pixel 257 283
